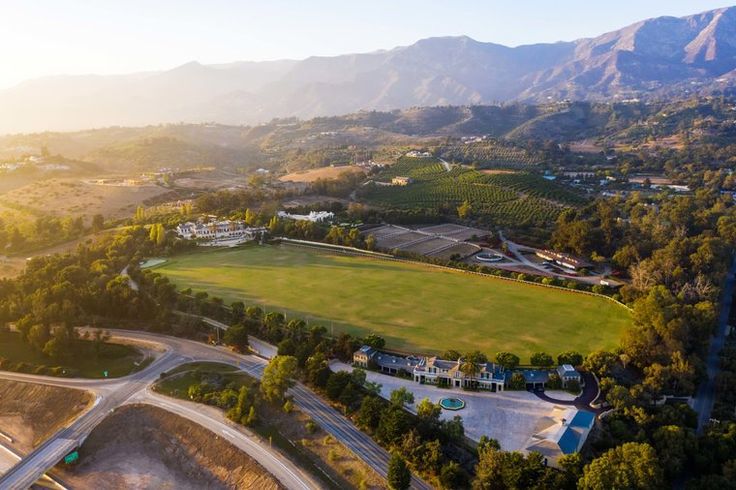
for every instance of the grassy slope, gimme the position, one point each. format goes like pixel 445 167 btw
pixel 413 306
pixel 117 359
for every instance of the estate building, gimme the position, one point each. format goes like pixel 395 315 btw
pixel 567 374
pixel 441 372
pixel 435 371
pixel 218 230
pixel 401 181
pixel 565 260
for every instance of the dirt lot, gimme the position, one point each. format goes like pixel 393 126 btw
pixel 73 197
pixel 492 171
pixel 343 466
pixel 319 173
pixel 29 413
pixel 140 446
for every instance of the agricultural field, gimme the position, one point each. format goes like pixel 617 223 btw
pixel 504 199
pixel 415 307
pixel 490 154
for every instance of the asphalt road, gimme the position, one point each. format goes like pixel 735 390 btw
pixel 113 393
pixel 705 396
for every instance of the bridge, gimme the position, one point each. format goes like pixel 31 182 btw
pixel 135 388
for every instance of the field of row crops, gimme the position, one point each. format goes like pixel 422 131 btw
pixel 505 199
pixel 489 154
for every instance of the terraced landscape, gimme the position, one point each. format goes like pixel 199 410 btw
pixel 507 199
pixel 415 307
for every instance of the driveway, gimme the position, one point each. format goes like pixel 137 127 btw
pixel 705 396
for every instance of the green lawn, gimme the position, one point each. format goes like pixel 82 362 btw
pixel 118 360
pixel 413 306
pixel 176 383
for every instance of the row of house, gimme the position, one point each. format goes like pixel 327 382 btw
pixel 441 372
pixel 218 230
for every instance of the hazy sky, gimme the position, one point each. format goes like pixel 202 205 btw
pixel 50 37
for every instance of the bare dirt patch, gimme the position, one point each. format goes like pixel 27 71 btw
pixel 30 413
pixel 497 171
pixel 73 197
pixel 141 446
pixel 335 459
pixel 319 173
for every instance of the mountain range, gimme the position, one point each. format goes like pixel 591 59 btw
pixel 654 58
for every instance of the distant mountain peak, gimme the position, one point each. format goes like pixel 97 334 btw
pixel 658 57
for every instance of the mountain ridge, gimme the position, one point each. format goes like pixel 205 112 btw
pixel 657 57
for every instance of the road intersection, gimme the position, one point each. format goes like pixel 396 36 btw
pixel 111 394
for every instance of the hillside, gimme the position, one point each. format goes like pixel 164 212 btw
pixel 654 58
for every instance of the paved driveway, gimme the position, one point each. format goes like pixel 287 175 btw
pixel 511 417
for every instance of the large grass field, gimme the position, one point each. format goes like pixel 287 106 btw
pixel 414 307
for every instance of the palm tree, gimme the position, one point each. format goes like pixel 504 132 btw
pixel 470 367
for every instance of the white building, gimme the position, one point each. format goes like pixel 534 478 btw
pixel 218 230
pixel 313 216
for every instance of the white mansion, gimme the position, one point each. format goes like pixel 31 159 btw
pixel 218 230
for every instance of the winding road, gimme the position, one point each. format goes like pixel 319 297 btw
pixel 705 396
pixel 111 394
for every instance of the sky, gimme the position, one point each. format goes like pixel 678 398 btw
pixel 68 37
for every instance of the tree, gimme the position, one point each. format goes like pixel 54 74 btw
pixel 451 355
pixel 393 425
pixel 600 363
pixel 374 341
pixel 517 382
pixel 370 242
pixel 399 476
pixel 237 337
pixel 336 383
pixel 632 465
pixel 369 414
pixel 452 476
pixel 507 360
pixel 278 377
pixel 542 359
pixel 401 397
pixel 509 470
pixel 454 428
pixel 570 357
pixel 98 222
pixel 427 410
pixel 674 444
pixel 464 210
